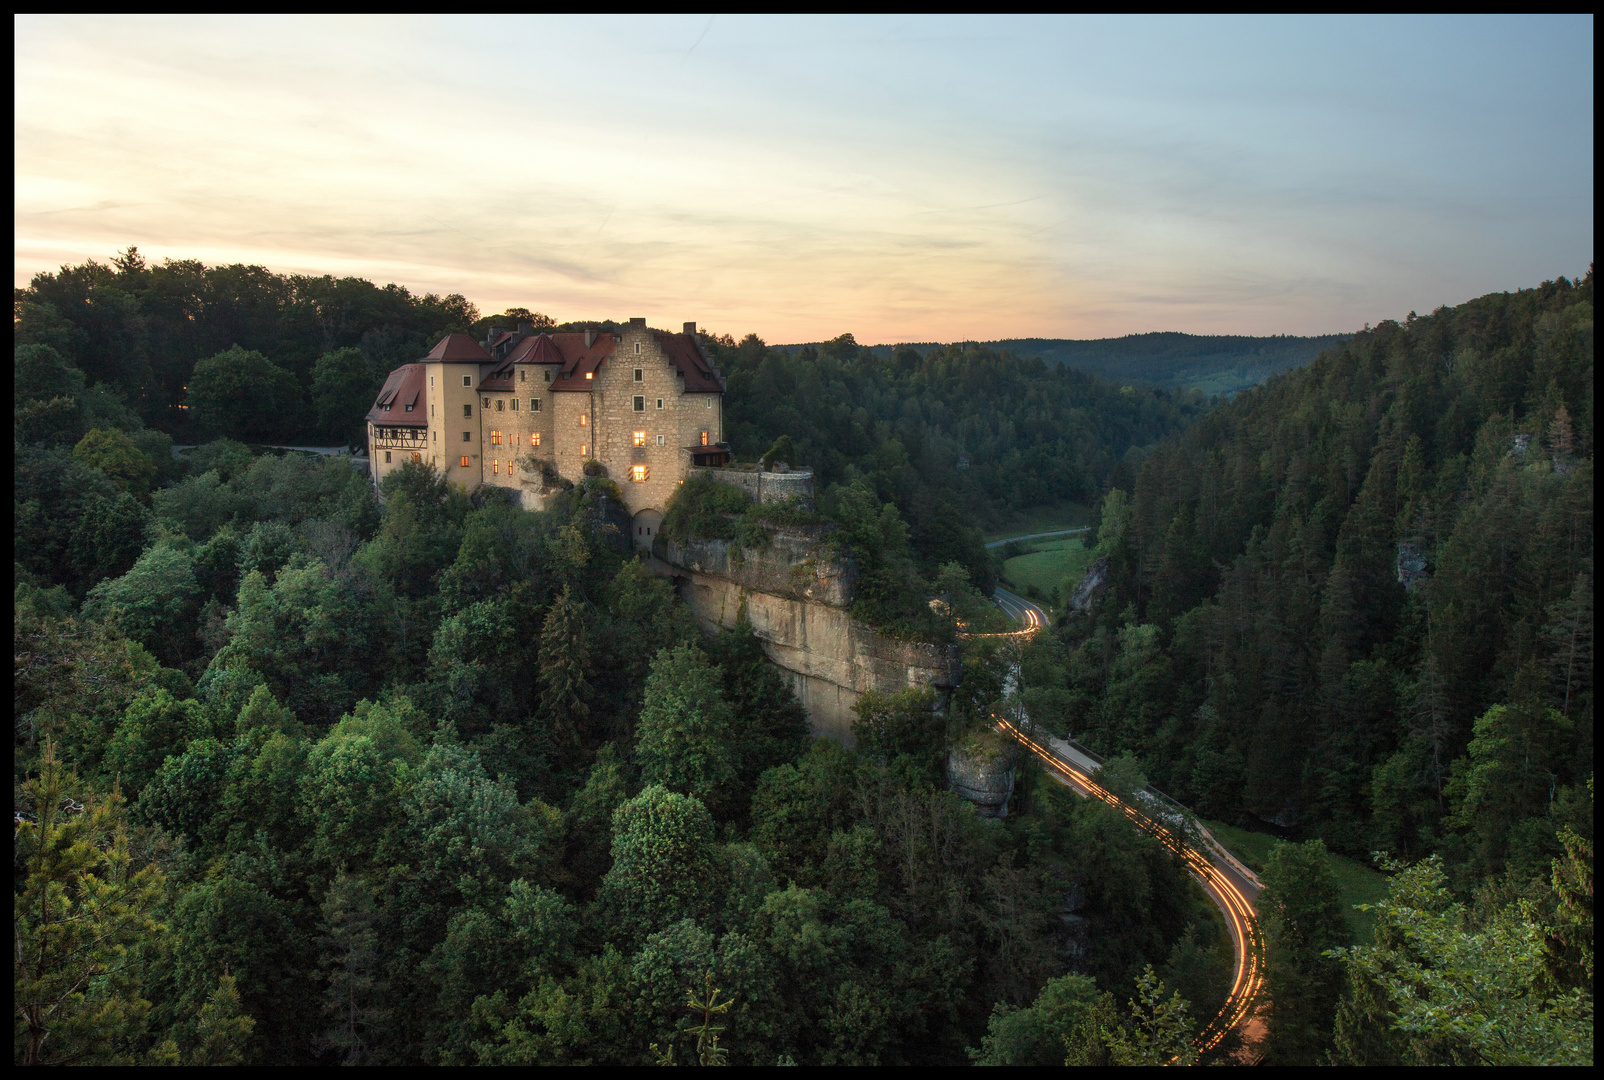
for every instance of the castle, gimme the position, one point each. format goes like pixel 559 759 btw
pixel 522 409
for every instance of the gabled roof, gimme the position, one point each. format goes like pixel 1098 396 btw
pixel 683 352
pixel 458 348
pixel 580 359
pixel 403 388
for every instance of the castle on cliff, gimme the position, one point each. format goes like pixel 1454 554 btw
pixel 522 410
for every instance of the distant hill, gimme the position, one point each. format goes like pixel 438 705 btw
pixel 1213 364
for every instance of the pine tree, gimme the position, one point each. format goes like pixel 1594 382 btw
pixel 565 690
pixel 351 962
pixel 77 913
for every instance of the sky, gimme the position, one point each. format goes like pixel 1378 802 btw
pixel 899 178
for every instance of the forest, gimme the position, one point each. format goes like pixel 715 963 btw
pixel 302 775
pixel 306 776
pixel 1355 607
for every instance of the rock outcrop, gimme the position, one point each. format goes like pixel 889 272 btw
pixel 1091 586
pixel 795 593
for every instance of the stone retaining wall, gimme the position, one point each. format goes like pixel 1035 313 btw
pixel 765 487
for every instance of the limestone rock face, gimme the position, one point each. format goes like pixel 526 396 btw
pixel 1090 586
pixel 797 564
pixel 983 773
pixel 795 594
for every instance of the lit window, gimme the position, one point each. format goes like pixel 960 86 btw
pixel 495 465
pixel 534 438
pixel 464 461
pixel 637 473
pixel 416 456
pixel 640 438
pixel 583 450
pixel 590 374
pixel 704 438
pixel 640 404
pixel 640 376
pixel 659 440
pixel 467 436
pixel 509 467
pixel 467 410
pixel 495 438
pixel 659 403
pixel 584 419
pixel 387 457
pixel 467 380
pixel 534 404
pixel 498 404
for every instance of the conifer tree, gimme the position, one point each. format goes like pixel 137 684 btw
pixel 79 910
pixel 565 667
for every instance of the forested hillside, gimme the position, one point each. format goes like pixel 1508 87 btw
pixel 1212 364
pixel 1357 603
pixel 305 776
pixel 1209 363
pixel 958 432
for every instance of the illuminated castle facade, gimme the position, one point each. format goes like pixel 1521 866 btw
pixel 522 409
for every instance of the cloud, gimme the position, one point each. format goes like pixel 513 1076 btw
pixel 903 179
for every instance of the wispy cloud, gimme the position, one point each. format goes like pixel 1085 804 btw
pixel 900 178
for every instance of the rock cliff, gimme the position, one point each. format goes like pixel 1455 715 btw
pixel 795 593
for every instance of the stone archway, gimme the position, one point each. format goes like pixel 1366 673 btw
pixel 644 527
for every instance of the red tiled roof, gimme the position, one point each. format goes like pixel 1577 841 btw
pixel 580 360
pixel 499 380
pixel 538 349
pixel 683 352
pixel 459 348
pixel 403 389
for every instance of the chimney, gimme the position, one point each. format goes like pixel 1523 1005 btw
pixel 690 328
pixel 637 322
pixel 590 338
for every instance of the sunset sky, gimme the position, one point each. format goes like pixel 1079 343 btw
pixel 905 179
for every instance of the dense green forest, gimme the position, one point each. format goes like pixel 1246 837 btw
pixel 302 775
pixel 1358 603
pixel 1211 364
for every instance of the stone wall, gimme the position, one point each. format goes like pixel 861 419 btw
pixel 765 487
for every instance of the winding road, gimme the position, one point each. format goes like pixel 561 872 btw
pixel 1230 884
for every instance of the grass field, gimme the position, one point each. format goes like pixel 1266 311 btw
pixel 1356 883
pixel 1045 519
pixel 1049 565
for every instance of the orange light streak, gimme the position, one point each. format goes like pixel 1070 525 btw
pixel 1233 903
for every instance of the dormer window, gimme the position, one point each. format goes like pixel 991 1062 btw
pixel 409 408
pixel 590 374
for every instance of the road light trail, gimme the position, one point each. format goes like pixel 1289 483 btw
pixel 1240 918
pixel 1220 883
